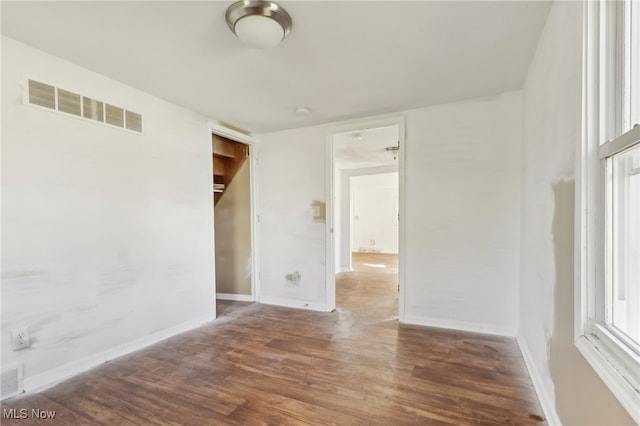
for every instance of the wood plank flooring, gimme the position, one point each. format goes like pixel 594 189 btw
pixel 259 365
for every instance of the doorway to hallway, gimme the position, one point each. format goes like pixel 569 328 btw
pixel 365 212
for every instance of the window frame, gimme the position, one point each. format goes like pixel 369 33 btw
pixel 606 114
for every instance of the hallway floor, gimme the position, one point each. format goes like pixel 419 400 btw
pixel 372 284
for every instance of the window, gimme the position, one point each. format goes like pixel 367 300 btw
pixel 623 244
pixel 608 281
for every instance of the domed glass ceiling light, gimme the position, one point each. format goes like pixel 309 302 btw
pixel 258 23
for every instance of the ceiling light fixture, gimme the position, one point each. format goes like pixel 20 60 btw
pixel 302 110
pixel 258 23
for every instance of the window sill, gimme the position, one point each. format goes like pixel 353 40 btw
pixel 617 384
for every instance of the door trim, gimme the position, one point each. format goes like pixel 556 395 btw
pixel 221 130
pixel 352 126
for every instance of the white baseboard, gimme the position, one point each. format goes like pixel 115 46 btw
pixel 345 269
pixel 545 398
pixel 292 303
pixel 460 325
pixel 238 297
pixel 51 377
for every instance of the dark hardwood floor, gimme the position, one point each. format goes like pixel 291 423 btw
pixel 260 364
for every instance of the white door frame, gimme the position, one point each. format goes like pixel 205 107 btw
pixel 221 130
pixel 352 126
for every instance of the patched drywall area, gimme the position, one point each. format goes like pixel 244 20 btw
pixel 291 176
pixel 566 364
pixel 233 235
pixel 552 109
pixel 106 233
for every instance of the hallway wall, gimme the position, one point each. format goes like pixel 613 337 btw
pixel 374 200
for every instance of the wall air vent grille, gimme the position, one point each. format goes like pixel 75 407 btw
pixel 92 109
pixel 69 102
pixel 114 115
pixel 47 96
pixel 42 94
pixel 11 383
pixel 134 121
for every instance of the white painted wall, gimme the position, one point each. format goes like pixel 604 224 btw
pixel 567 385
pixel 107 234
pixel 463 214
pixel 291 175
pixel 462 207
pixel 374 217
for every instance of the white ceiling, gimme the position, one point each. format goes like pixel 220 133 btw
pixel 342 59
pixel 368 150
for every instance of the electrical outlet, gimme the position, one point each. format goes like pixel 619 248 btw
pixel 20 338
